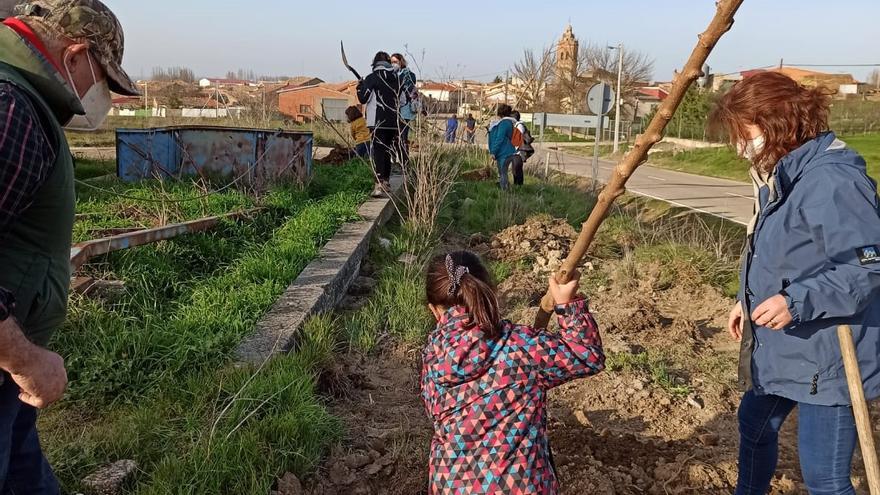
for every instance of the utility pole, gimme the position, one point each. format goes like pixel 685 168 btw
pixel 506 83
pixel 619 49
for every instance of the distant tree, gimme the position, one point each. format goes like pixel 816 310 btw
pixel 874 78
pixel 497 80
pixel 184 74
pixel 535 72
pixel 230 75
pixel 603 63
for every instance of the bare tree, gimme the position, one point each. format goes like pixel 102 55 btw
pixel 874 78
pixel 603 64
pixel 535 71
pixel 571 82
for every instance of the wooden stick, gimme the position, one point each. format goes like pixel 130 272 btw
pixel 860 407
pixel 721 23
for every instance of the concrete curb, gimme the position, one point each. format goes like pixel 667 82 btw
pixel 320 286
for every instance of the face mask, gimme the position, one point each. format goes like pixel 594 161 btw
pixel 396 67
pixel 96 102
pixel 752 148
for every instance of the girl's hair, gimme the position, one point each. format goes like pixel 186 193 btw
pixel 353 113
pixel 401 59
pixel 516 115
pixel 460 279
pixel 504 110
pixel 381 57
pixel 787 113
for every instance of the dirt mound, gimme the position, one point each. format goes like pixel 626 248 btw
pixel 544 239
pixel 338 156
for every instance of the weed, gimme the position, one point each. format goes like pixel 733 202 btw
pixel 653 364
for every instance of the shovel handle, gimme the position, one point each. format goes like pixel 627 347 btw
pixel 860 407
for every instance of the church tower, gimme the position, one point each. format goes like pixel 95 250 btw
pixel 567 54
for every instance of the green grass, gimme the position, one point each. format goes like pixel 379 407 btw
pixel 144 365
pixel 724 163
pixel 90 169
pixel 654 364
pixel 714 162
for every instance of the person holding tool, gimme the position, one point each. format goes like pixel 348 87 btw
pixel 812 262
pixel 59 60
pixel 380 92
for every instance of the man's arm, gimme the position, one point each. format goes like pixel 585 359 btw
pixel 26 155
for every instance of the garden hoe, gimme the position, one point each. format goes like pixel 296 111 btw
pixel 721 23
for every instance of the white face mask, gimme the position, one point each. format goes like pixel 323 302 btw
pixel 396 67
pixel 96 102
pixel 752 148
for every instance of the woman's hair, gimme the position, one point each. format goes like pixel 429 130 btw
pixel 460 279
pixel 516 115
pixel 381 57
pixel 353 113
pixel 504 110
pixel 787 113
pixel 401 59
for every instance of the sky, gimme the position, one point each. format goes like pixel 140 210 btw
pixel 478 39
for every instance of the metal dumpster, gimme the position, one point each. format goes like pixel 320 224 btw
pixel 250 156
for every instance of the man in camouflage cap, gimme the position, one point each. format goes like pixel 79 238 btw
pixel 59 59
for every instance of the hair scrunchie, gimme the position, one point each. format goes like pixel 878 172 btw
pixel 455 274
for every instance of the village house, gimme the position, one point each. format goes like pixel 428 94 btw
pixel 307 103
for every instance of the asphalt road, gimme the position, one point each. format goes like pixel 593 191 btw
pixel 720 197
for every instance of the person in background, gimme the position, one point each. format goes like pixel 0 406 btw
pixel 485 381
pixel 470 125
pixel 451 128
pixel 501 143
pixel 359 132
pixel 409 100
pixel 380 92
pixel 59 60
pixel 522 140
pixel 812 263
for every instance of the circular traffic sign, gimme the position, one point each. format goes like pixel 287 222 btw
pixel 600 99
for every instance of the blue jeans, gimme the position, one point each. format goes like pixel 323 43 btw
pixel 826 441
pixel 363 150
pixel 503 167
pixel 23 469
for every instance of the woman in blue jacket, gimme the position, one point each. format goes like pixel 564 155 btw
pixel 812 263
pixel 500 143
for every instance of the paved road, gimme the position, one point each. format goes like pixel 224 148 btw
pixel 720 197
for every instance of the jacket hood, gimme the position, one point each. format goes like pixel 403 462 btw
pixel 382 66
pixel 40 73
pixel 459 351
pixel 499 121
pixel 823 149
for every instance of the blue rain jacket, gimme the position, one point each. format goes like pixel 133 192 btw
pixel 816 242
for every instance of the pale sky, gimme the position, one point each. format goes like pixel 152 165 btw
pixel 478 39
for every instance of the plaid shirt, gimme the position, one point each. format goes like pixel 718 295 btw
pixel 26 158
pixel 488 400
pixel 26 155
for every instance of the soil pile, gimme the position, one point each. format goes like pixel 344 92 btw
pixel 542 239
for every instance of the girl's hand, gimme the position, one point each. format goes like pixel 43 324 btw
pixel 564 294
pixel 735 322
pixel 773 313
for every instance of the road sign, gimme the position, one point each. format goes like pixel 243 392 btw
pixel 600 99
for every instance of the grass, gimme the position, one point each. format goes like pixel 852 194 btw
pixel 724 163
pixel 149 370
pixel 90 169
pixel 654 364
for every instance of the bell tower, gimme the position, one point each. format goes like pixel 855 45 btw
pixel 567 54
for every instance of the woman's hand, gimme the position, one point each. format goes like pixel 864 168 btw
pixel 735 322
pixel 564 294
pixel 773 313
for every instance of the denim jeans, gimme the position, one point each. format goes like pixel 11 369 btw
pixel 503 174
pixel 362 150
pixel 826 441
pixel 23 469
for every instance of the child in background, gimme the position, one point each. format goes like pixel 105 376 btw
pixel 501 142
pixel 522 141
pixel 485 381
pixel 359 131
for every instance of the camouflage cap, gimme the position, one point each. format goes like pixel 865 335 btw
pixel 86 21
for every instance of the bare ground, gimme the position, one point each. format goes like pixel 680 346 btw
pixel 633 430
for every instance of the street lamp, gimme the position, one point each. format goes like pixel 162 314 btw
pixel 619 49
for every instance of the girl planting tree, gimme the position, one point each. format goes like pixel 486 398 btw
pixel 812 263
pixel 485 381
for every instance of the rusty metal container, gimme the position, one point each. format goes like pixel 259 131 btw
pixel 250 156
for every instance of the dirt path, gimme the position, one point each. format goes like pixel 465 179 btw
pixel 661 420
